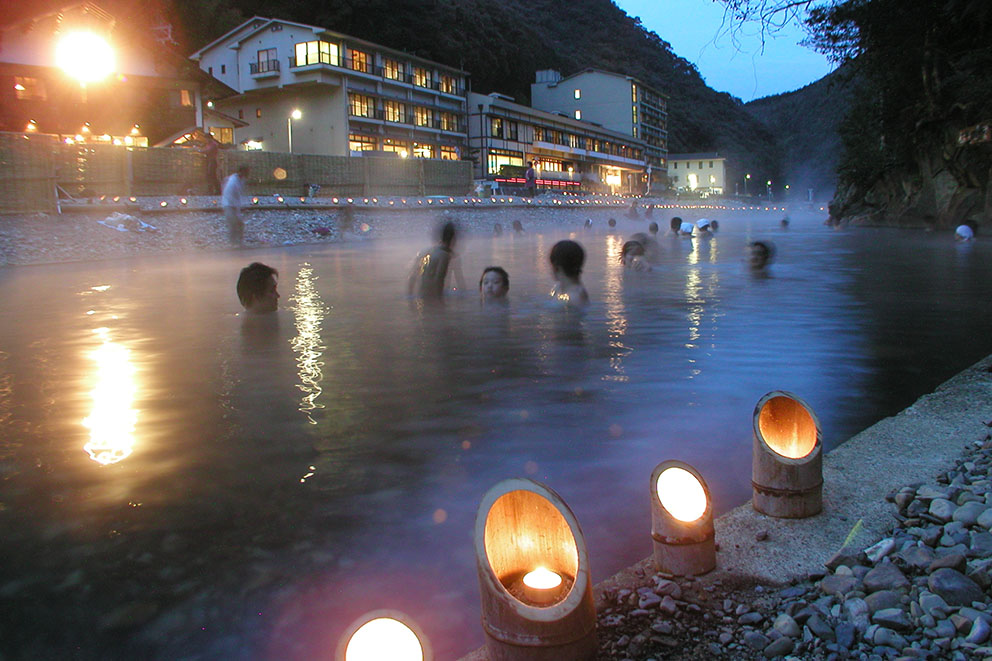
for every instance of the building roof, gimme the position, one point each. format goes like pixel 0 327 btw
pixel 699 156
pixel 257 23
pixel 606 73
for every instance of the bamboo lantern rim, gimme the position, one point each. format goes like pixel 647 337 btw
pixel 787 427
pixel 685 477
pixel 522 525
pixel 385 624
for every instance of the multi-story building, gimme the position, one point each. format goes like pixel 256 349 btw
pixel 705 172
pixel 617 102
pixel 305 89
pixel 567 153
pixel 80 72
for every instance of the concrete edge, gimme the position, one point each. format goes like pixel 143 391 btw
pixel 913 446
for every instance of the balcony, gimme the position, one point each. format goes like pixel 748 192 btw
pixel 264 68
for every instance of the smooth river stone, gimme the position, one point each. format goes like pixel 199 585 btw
pixel 956 588
pixel 985 519
pixel 917 557
pixel 942 509
pixel 882 599
pixel 969 512
pixel 885 577
pixel 838 585
pixel 892 618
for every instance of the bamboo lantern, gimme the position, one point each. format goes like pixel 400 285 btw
pixel 787 461
pixel 681 520
pixel 534 578
pixel 384 634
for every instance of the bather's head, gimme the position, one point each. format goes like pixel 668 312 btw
pixel 567 258
pixel 257 288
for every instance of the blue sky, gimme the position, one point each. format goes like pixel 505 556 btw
pixel 696 32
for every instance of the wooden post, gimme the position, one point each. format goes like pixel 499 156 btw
pixel 521 526
pixel 787 459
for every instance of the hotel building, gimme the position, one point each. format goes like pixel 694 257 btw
pixel 353 97
pixel 705 172
pixel 567 153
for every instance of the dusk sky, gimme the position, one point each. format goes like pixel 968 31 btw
pixel 696 32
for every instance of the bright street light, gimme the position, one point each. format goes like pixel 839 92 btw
pixel 85 56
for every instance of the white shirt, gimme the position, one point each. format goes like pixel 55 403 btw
pixel 964 233
pixel 234 190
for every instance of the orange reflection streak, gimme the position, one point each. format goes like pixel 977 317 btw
pixel 112 419
pixel 309 311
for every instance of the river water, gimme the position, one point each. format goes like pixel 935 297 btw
pixel 179 481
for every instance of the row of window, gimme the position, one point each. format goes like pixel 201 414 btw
pixel 361 142
pixel 497 158
pixel 27 88
pixel 363 105
pixel 510 130
pixel 675 165
pixel 325 52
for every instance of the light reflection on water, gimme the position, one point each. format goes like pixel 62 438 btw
pixel 328 460
pixel 112 419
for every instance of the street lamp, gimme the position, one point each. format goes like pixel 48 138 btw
pixel 746 177
pixel 84 56
pixel 768 188
pixel 296 114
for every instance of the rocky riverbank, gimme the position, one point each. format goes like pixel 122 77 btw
pixel 922 592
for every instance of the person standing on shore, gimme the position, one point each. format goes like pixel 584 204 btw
pixel 232 199
pixel 211 152
pixel 430 270
pixel 530 179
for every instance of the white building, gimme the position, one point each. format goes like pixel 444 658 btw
pixel 704 172
pixel 353 97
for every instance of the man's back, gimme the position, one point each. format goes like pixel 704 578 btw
pixel 233 191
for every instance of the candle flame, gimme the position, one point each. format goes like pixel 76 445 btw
pixel 542 579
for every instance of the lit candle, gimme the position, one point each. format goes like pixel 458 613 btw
pixel 542 586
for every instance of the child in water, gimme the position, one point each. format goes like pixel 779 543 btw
pixel 632 256
pixel 494 285
pixel 566 260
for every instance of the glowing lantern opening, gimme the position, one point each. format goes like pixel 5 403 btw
pixel 384 638
pixel 681 494
pixel 787 427
pixel 542 579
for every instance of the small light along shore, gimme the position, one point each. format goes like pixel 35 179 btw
pixel 897 566
pixel 109 229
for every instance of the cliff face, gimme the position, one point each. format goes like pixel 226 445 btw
pixel 947 184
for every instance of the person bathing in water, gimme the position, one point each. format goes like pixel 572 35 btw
pixel 430 270
pixel 566 260
pixel 494 285
pixel 257 288
pixel 632 256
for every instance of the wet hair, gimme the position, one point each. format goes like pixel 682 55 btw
pixel 447 233
pixel 675 224
pixel 253 281
pixel 518 226
pixel 714 225
pixel 568 257
pixel 496 269
pixel 497 230
pixel 612 222
pixel 631 249
pixel 653 228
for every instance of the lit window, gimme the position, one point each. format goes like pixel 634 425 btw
pixel 578 94
pixel 633 93
pixel 422 117
pixel 396 146
pixel 186 98
pixel 29 89
pixel 358 142
pixel 316 52
pixel 496 124
pixel 497 158
pixel 359 61
pixel 421 77
pixel 223 135
pixel 448 85
pixel 258 113
pixel 448 121
pixel 395 111
pixel 449 153
pixel 578 114
pixel 392 69
pixel 360 105
pixel 423 151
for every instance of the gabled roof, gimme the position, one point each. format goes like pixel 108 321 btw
pixel 605 73
pixel 257 23
pixel 697 156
